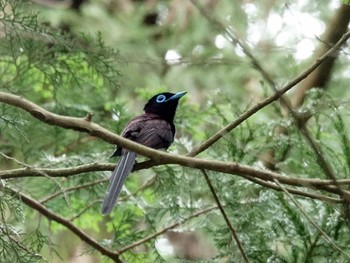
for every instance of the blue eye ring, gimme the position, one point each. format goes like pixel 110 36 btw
pixel 161 98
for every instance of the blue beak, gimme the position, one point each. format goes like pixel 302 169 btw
pixel 177 95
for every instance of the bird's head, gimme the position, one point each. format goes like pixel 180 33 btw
pixel 164 104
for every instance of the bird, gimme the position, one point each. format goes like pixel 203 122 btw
pixel 154 128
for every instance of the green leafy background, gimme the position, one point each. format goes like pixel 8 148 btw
pixel 104 59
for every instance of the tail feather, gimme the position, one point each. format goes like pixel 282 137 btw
pixel 120 173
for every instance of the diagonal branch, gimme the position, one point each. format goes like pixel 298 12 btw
pixel 147 184
pixel 224 215
pixel 273 186
pixel 323 162
pixel 277 95
pixel 85 125
pixel 54 217
pixel 324 234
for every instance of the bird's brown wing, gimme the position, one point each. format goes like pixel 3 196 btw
pixel 155 133
pixel 149 130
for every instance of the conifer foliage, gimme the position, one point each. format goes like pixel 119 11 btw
pixel 260 168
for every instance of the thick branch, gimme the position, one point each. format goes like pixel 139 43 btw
pixel 83 125
pixel 79 124
pixel 336 27
pixel 225 167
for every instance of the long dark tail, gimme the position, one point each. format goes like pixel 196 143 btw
pixel 122 170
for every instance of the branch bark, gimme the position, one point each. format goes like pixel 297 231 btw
pixel 219 166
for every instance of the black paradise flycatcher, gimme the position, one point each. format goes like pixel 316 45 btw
pixel 154 128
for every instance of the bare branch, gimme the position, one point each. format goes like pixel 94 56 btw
pixel 232 168
pixel 259 176
pixel 81 124
pixel 86 208
pixel 56 172
pixel 224 215
pixel 236 41
pixel 162 231
pixel 71 189
pixel 323 162
pixel 273 186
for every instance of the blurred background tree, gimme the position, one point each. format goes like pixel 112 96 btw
pixel 108 58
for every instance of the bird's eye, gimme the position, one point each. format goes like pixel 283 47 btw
pixel 161 98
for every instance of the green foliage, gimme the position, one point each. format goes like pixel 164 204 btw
pixel 45 58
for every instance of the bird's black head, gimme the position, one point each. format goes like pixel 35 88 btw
pixel 164 104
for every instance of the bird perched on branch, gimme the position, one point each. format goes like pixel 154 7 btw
pixel 154 128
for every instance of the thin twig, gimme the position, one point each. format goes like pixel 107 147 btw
pixel 15 160
pixel 162 231
pixel 273 186
pixel 42 173
pixel 324 234
pixel 224 215
pixel 323 162
pixel 234 40
pixel 86 208
pixel 147 184
pixel 312 247
pixel 70 189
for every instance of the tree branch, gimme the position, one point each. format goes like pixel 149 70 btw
pixel 54 217
pixel 335 28
pixel 273 186
pixel 71 189
pixel 224 215
pixel 236 41
pixel 232 168
pixel 258 176
pixel 277 95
